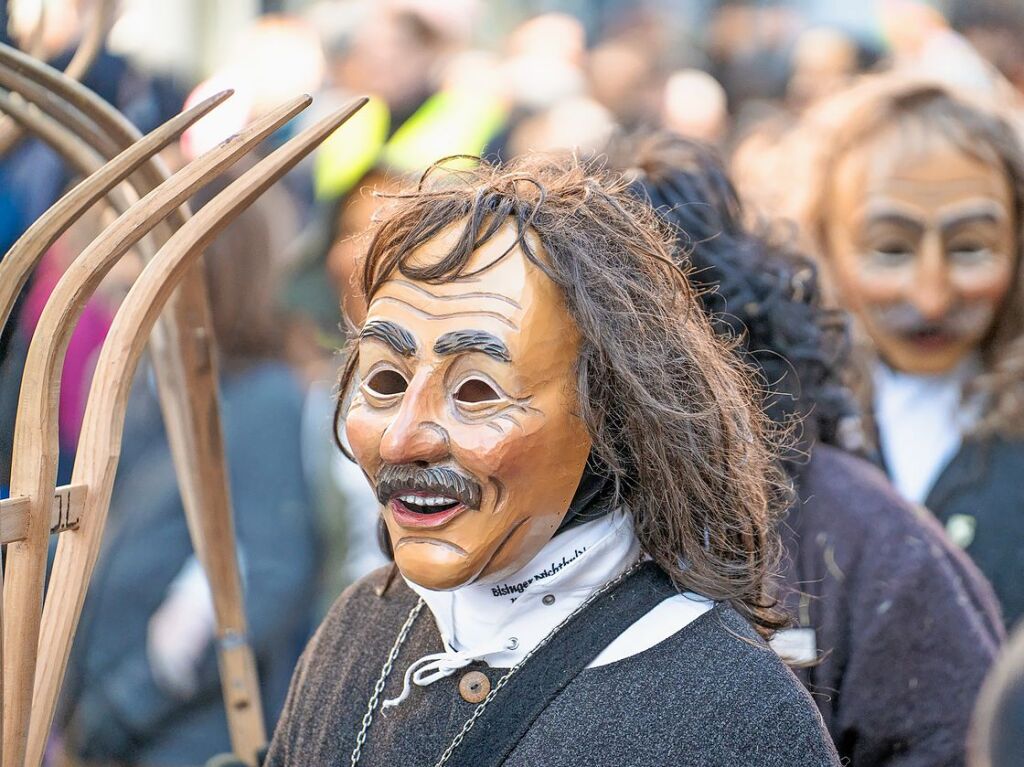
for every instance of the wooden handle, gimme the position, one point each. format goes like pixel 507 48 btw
pixel 187 384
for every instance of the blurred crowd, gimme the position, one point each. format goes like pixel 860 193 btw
pixel 756 81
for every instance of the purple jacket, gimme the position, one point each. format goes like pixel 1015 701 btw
pixel 905 625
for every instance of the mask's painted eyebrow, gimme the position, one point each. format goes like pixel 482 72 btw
pixel 457 341
pixel 392 334
pixel 992 215
pixel 886 217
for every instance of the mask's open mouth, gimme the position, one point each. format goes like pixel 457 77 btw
pixel 424 510
pixel 931 338
pixel 425 504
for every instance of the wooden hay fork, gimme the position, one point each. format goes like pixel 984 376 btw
pixel 36 429
pixel 185 372
pixel 186 380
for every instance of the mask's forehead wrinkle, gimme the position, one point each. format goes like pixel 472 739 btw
pixel 430 315
pixel 481 294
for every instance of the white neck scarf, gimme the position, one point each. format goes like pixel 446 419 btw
pixel 921 421
pixel 500 622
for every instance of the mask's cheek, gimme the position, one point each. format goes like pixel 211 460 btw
pixel 861 286
pixel 538 471
pixel 989 284
pixel 885 287
pixel 486 453
pixel 364 430
pixel 537 480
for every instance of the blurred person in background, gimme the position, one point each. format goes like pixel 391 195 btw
pixel 748 50
pixel 636 48
pixel 622 77
pixel 400 54
pixel 910 193
pixel 397 52
pixel 348 508
pixel 995 29
pixel 542 70
pixel 271 60
pixel 887 614
pixel 824 59
pixel 997 733
pixel 142 687
pixel 694 105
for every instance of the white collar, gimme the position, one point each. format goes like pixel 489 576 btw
pixel 955 379
pixel 516 609
pixel 921 420
pixel 500 622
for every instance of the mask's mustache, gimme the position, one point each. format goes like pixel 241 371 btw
pixel 964 319
pixel 394 479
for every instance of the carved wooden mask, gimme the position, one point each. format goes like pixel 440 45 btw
pixel 465 417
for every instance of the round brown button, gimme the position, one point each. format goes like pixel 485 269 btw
pixel 474 686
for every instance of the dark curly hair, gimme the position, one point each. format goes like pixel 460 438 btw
pixel 752 285
pixel 671 413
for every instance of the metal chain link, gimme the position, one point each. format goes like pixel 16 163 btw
pixel 378 688
pixel 479 710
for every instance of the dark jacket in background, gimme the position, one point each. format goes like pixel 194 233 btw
pixel 905 625
pixel 113 707
pixel 711 695
pixel 981 494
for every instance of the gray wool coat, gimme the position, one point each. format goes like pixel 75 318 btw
pixel 713 694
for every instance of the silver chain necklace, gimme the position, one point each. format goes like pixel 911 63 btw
pixel 403 634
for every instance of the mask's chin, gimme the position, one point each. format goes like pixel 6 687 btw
pixel 434 565
pixel 923 358
pixel 441 565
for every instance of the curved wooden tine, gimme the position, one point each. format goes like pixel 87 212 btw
pixel 186 375
pixel 101 179
pixel 79 157
pixel 57 108
pixel 33 470
pixel 100 444
pixel 112 125
pixel 85 54
pixel 82 127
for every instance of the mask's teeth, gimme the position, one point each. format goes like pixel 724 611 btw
pixel 427 500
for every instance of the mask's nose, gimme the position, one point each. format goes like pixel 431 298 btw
pixel 932 293
pixel 414 436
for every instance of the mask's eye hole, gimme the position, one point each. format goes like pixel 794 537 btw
pixel 387 383
pixel 474 390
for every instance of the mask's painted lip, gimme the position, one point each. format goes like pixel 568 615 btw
pixel 931 341
pixel 410 519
